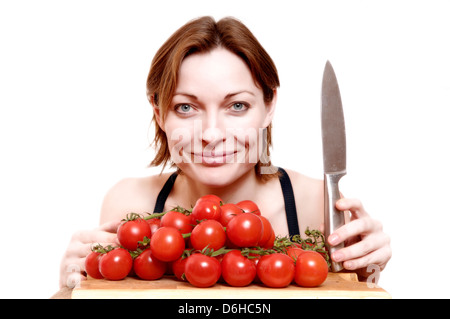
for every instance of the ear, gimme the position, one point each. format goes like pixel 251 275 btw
pixel 270 109
pixel 157 113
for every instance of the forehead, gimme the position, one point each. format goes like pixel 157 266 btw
pixel 216 71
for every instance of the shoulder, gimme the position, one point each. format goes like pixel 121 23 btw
pixel 133 194
pixel 309 199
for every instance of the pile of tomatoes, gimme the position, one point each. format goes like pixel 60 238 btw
pixel 213 241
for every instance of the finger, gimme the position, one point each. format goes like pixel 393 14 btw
pixel 356 227
pixel 356 250
pixel 378 257
pixel 353 205
pixel 110 227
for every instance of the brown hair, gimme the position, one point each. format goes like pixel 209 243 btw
pixel 203 35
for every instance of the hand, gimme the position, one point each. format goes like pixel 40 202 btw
pixel 72 269
pixel 367 246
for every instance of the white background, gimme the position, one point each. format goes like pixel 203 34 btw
pixel 74 118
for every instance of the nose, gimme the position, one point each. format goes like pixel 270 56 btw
pixel 212 129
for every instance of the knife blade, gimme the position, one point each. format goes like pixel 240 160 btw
pixel 334 155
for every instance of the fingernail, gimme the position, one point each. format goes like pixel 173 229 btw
pixel 337 256
pixel 333 239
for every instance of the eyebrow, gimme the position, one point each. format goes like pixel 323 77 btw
pixel 229 95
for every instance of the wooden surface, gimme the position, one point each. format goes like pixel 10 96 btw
pixel 337 285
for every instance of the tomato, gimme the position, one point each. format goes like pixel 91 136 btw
pixel 205 209
pixel 311 269
pixel 245 230
pixel 177 220
pixel 202 271
pixel 237 270
pixel 229 211
pixel 208 233
pixel 267 231
pixel 270 242
pixel 116 264
pixel 131 232
pixel 249 206
pixel 210 197
pixel 178 267
pixel 147 267
pixel 91 265
pixel 167 244
pixel 154 224
pixel 294 252
pixel 276 270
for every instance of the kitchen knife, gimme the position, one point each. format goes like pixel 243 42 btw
pixel 334 155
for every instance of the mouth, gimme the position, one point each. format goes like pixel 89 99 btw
pixel 214 159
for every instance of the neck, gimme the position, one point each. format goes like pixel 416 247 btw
pixel 242 188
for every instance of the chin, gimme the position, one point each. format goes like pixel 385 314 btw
pixel 216 176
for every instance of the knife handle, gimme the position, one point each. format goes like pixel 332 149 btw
pixel 333 217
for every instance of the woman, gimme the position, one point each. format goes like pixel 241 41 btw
pixel 213 90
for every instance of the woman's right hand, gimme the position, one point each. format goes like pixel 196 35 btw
pixel 72 269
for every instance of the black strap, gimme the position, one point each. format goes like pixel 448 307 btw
pixel 286 187
pixel 289 203
pixel 164 193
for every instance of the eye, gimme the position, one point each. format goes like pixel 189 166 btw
pixel 183 108
pixel 239 107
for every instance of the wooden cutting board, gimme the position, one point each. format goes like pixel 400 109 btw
pixel 337 285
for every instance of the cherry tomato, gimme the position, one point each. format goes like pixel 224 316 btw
pixel 276 270
pixel 249 206
pixel 167 244
pixel 210 197
pixel 178 267
pixel 237 270
pixel 270 242
pixel 267 231
pixel 202 271
pixel 177 220
pixel 311 269
pixel 205 209
pixel 91 265
pixel 229 211
pixel 147 267
pixel 208 233
pixel 154 224
pixel 294 252
pixel 131 232
pixel 116 264
pixel 245 230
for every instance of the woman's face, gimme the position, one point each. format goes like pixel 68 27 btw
pixel 215 122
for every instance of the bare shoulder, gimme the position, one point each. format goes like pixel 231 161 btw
pixel 309 199
pixel 133 194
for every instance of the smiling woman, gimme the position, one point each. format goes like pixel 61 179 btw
pixel 213 90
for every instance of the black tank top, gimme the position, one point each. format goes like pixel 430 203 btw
pixel 286 187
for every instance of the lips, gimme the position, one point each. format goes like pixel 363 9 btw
pixel 213 158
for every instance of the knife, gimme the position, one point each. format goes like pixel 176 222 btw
pixel 334 155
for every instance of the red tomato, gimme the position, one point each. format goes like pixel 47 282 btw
pixel 208 233
pixel 267 231
pixel 116 264
pixel 276 270
pixel 270 242
pixel 249 206
pixel 210 197
pixel 202 271
pixel 245 230
pixel 91 265
pixel 178 267
pixel 311 269
pixel 177 220
pixel 294 252
pixel 205 209
pixel 147 267
pixel 229 211
pixel 237 270
pixel 131 232
pixel 167 244
pixel 154 224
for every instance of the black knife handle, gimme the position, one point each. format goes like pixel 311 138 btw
pixel 333 217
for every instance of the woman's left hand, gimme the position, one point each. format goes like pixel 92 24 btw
pixel 367 246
